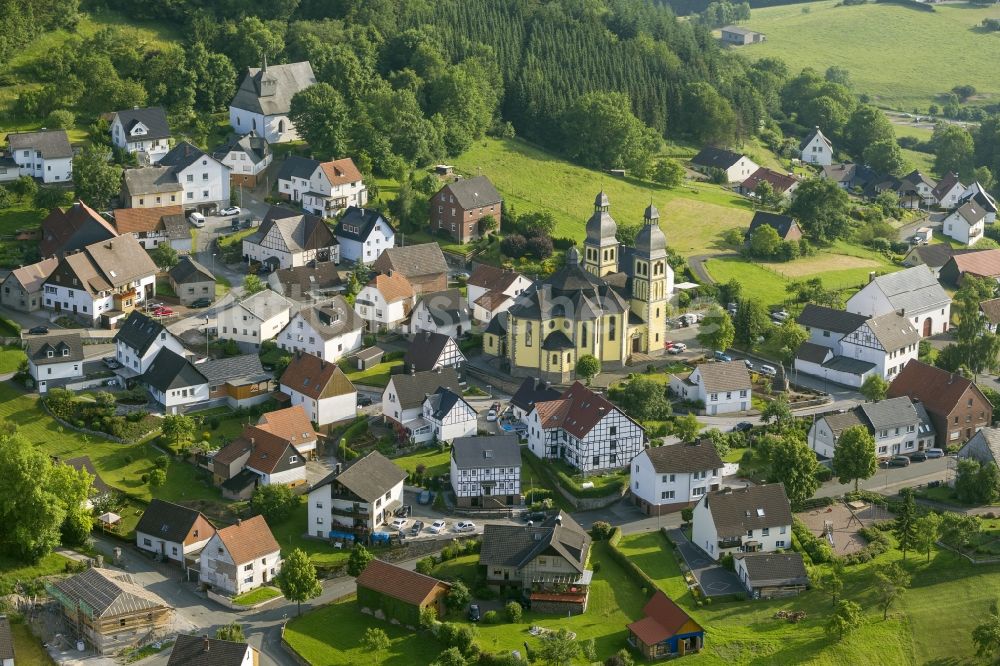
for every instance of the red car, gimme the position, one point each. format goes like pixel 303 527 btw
pixel 162 312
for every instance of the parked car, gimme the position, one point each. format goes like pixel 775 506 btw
pixel 533 516
pixel 231 210
pixel 438 526
pixel 898 461
pixel 474 615
pixel 918 456
pixel 399 523
pixel 364 400
pixel 935 453
pixel 424 497
pixel 722 356
pixel 743 426
pixel 747 363
pixel 768 370
pixel 38 330
pixel 491 415
pixel 417 528
pixel 113 382
pixel 111 362
pixel 678 347
pixel 780 316
pixel 197 219
pixel 465 526
pixel 201 303
pixel 163 312
pixel 404 511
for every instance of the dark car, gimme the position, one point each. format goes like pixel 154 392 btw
pixel 417 528
pixel 38 330
pixel 474 615
pixel 918 456
pixel 201 303
pixel 533 516
pixel 898 461
pixel 743 426
pixel 364 400
pixel 404 511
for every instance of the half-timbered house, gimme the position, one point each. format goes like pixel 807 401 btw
pixel 486 471
pixel 447 415
pixel 404 395
pixel 429 351
pixel 287 239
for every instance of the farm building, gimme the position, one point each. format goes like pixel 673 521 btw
pixel 665 631
pixel 738 36
pixel 398 595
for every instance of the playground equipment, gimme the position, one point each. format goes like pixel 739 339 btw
pixel 828 531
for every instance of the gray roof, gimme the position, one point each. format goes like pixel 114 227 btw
pixel 812 135
pixel 298 167
pixel 935 255
pixel 255 147
pixel 38 349
pixel 244 366
pixel 170 370
pixel 890 413
pixel 497 325
pixel 189 270
pixel 300 282
pixel 912 289
pixel 926 425
pixel 205 651
pixel 176 226
pixel 156 179
pixel 474 192
pixel 830 319
pixel 754 507
pixel 442 401
pixel 121 260
pixel 369 478
pixel 413 260
pixel 978 194
pixel 425 350
pixel 299 231
pixel 849 365
pixel 893 332
pixel 412 389
pixel 984 446
pixel 971 212
pixel 139 332
pixel 684 458
pixel 6 639
pixel 447 307
pixel 269 91
pixel 839 422
pixel 725 376
pixel 266 304
pixel 52 144
pixel 715 158
pixel 533 390
pixel 166 520
pixel 484 452
pixel 332 319
pixel 737 30
pixel 812 352
pixel 357 223
pixel 183 155
pixel 153 117
pixel 766 569
pixel 517 545
pixel 108 593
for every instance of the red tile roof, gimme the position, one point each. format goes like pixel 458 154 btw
pixel 408 586
pixel 985 263
pixel 248 540
pixel 577 411
pixel 135 220
pixel 938 389
pixel 663 619
pixel 779 181
pixel 341 172
pixel 315 378
pixel 291 423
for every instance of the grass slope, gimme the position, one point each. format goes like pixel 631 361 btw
pixel 947 40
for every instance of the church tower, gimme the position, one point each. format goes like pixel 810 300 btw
pixel 600 250
pixel 652 280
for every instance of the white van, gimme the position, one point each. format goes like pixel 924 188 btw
pixel 197 219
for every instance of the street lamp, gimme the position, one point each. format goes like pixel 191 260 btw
pixel 206 334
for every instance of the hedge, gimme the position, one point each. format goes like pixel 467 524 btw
pixel 878 543
pixel 816 503
pixel 632 570
pixel 817 550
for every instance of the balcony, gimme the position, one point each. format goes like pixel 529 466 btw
pixel 356 511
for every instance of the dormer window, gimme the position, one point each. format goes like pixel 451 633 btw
pixel 49 354
pixel 65 352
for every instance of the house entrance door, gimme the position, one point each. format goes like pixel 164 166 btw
pixel 636 345
pixel 927 327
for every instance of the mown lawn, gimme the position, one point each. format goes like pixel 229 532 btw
pixel 256 596
pixel 10 358
pixel 757 282
pixel 849 36
pixel 377 375
pixel 13 571
pixel 27 648
pixel 288 533
pixel 436 462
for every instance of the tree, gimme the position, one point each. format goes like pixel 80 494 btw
pixel 905 525
pixel 890 583
pixel 252 284
pixel 645 399
pixel 867 126
pixel 558 648
pixel 375 640
pixel 297 580
pixel 751 322
pixel 765 242
pixel 458 595
pixel 845 618
pixel 794 464
pixel 177 427
pixel 821 207
pixel 73 488
pixel 976 483
pixel 24 188
pixel 323 119
pixel 926 532
pixel 48 198
pixel 716 330
pixel 884 157
pixel 668 172
pixel 588 367
pixel 708 116
pixel 731 292
pixel 488 224
pixel 599 130
pixel 874 388
pixel 157 478
pixel 450 657
pixel 96 180
pixel 231 632
pixel 839 75
pixel 832 584
pixel 954 150
pixel 274 501
pixel 777 412
pixel 32 513
pixel 164 256
pixel 854 456
pixel 60 119
pixel 986 636
pixel 790 336
pixel 686 427
pixel 359 559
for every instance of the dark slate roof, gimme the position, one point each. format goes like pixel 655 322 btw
pixel 517 545
pixel 890 413
pixel 357 223
pixel 153 117
pixel 300 231
pixel 812 352
pixel 255 147
pixel 139 332
pixel 52 144
pixel 151 180
pixel 481 452
pixel 715 158
pixel 533 390
pixel 38 349
pixel 6 639
pixel 188 270
pixel 812 135
pixel 830 319
pixel 300 281
pixel 684 458
pixel 182 156
pixel 166 520
pixel 298 167
pixel 369 478
pixel 474 192
pixel 286 81
pixel 937 254
pixel 497 325
pixel 412 389
pixel 754 507
pixel 766 569
pixel 976 193
pixel 170 370
pixel 424 350
pixel 447 308
pixel 557 341
pixel 839 422
pixel 442 401
pixel 780 223
pixel 244 366
pixel 852 366
pixel 205 651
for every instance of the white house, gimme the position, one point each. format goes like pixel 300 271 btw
pixel 139 339
pixel 385 302
pixel 584 430
pixel 363 496
pixel 329 331
pixel 54 357
pixel 204 180
pixel 977 194
pixel 448 415
pixel 737 167
pixel 746 520
pixel 492 290
pixel 530 391
pixel 287 239
pixel 966 224
pixel 443 312
pixel 486 471
pixel 240 558
pixel 915 190
pixel 264 99
pixel 899 425
pixel 255 319
pixel 816 149
pixel 174 382
pixel 103 283
pixel 46 155
pixel 258 457
pixel 190 650
pixel 322 188
pixel 363 234
pixel 913 293
pixel 143 131
pixel 291 424
pixel 669 478
pixel 429 351
pixel 247 157
pixel 404 395
pixel 321 387
pixel 172 531
pixel 949 191
pixel 722 388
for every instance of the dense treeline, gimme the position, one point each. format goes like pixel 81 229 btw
pixel 23 20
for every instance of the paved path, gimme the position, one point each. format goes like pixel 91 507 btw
pixel 696 263
pixel 714 579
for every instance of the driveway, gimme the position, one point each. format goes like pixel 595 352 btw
pixel 714 579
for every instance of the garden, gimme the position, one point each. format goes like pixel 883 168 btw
pixel 100 412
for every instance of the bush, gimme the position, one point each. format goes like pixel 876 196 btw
pixel 824 473
pixel 514 612
pixel 817 550
pixel 878 543
pixel 491 617
pixel 425 565
pixel 728 562
pixel 601 531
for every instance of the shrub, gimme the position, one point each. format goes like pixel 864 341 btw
pixel 425 565
pixel 601 531
pixel 491 617
pixel 514 612
pixel 817 550
pixel 728 562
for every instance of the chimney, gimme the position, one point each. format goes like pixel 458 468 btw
pixel 239 521
pixel 871 277
pixel 205 642
pixel 338 468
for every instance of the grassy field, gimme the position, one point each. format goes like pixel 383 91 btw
pixel 436 462
pixel 13 571
pixel 377 375
pixel 947 39
pixel 530 179
pixel 28 648
pixel 288 534
pixel 256 596
pixel 10 358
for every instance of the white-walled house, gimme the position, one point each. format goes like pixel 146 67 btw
pixel 448 415
pixel 429 351
pixel 54 357
pixel 255 319
pixel 139 339
pixel 385 302
pixel 247 157
pixel 258 457
pixel 899 425
pixel 977 194
pixel 584 430
pixel 816 149
pixel 46 155
pixel 172 531
pixel 745 520
pixel 669 478
pixel 321 387
pixel 174 382
pixel 722 388
pixel 966 224
pixel 363 234
pixel 329 331
pixel 240 558
pixel 404 395
pixel 363 496
pixel 203 179
pixel 737 167
pixel 486 471
pixel 492 290
pixel 333 186
pixel 144 131
pixel 949 192
pixel 913 293
pixel 287 239
pixel 443 312
pixel 264 98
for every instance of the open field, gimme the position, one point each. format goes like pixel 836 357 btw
pixel 28 649
pixel 821 263
pixel 876 43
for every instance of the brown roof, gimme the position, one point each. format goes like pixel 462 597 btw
pixel 393 287
pixel 684 458
pixel 577 411
pixel 341 172
pixel 291 423
pixel 663 619
pixel 734 512
pixel 991 309
pixel 136 220
pixel 267 450
pixel 491 300
pixel 60 227
pixel 938 389
pixel 408 586
pixel 726 376
pixel 248 540
pixel 412 260
pixel 31 277
pixel 316 378
pixel 983 264
pixel 492 278
pixel 779 181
